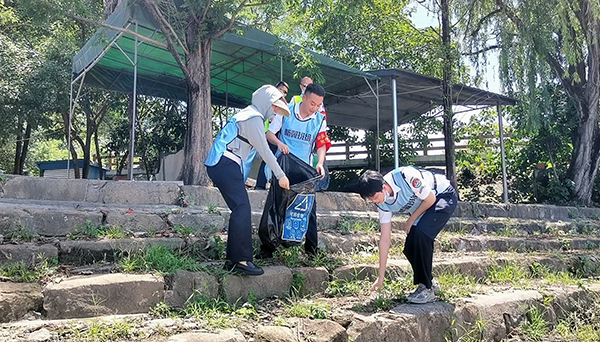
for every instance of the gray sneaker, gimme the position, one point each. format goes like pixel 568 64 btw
pixel 435 286
pixel 423 297
pixel 417 291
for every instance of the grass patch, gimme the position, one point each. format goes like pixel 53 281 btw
pixel 535 327
pixel 294 257
pixel 455 285
pixel 350 224
pixel 20 234
pixel 20 272
pixel 309 310
pixel 342 287
pixel 213 313
pixel 510 272
pixel 157 258
pixel 550 277
pixel 90 230
pixel 103 332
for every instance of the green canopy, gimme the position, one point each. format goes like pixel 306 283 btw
pixel 241 62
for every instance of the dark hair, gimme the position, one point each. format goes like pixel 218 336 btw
pixel 282 83
pixel 316 89
pixel 370 183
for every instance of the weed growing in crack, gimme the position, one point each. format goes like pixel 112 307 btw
pixel 350 224
pixel 535 327
pixel 157 258
pixel 20 234
pixel 470 333
pixel 103 332
pixel 511 273
pixel 21 272
pixel 309 310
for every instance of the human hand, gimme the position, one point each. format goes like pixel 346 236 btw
pixel 283 148
pixel 284 183
pixel 378 284
pixel 320 170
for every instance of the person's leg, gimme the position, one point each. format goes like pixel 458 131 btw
pixel 227 177
pixel 261 179
pixel 418 247
pixel 312 243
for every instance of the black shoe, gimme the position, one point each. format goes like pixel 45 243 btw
pixel 248 269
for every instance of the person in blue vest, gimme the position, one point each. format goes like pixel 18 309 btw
pixel 429 199
pixel 227 166
pixel 303 130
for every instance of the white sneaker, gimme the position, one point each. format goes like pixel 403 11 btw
pixel 435 286
pixel 417 291
pixel 423 297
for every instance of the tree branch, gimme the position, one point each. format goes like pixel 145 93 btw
pixel 208 3
pixel 116 28
pixel 231 22
pixel 485 49
pixel 171 30
pixel 170 46
pixel 483 20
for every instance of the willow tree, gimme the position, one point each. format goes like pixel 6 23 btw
pixel 547 41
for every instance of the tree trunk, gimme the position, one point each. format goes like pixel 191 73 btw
pixel 109 7
pixel 25 148
pixel 87 146
pixel 98 156
pixel 447 95
pixel 18 147
pixel 199 118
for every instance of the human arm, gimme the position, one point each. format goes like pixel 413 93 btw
pixel 426 204
pixel 272 138
pixel 275 127
pixel 254 131
pixel 321 160
pixel 384 249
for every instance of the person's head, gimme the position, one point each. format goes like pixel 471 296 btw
pixel 269 101
pixel 304 82
pixel 370 186
pixel 283 87
pixel 312 99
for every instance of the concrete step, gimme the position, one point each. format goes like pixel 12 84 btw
pixel 171 193
pixel 492 314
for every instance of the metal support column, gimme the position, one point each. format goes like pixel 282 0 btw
pixel 395 112
pixel 134 109
pixel 504 181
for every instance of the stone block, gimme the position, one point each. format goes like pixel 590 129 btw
pixel 230 335
pixel 137 222
pixel 188 286
pixel 100 295
pixel 316 280
pixel 203 222
pixel 29 253
pixel 276 281
pixel 49 222
pixel 40 188
pixel 16 299
pixel 324 331
pixel 133 192
pixel 274 334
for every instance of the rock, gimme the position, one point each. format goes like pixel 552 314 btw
pixel 276 281
pixel 29 253
pixel 274 334
pixel 16 299
pixel 323 331
pixel 41 335
pixel 188 286
pixel 316 280
pixel 98 295
pixel 222 336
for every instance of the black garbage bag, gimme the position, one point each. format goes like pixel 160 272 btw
pixel 286 214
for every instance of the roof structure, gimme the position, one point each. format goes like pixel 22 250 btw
pixel 241 62
pixel 416 94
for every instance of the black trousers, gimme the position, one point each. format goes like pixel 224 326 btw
pixel 261 179
pixel 227 177
pixel 418 247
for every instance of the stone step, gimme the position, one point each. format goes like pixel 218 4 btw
pixel 118 293
pixel 171 193
pixel 492 314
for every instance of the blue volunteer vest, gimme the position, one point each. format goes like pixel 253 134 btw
pixel 300 135
pixel 226 136
pixel 405 202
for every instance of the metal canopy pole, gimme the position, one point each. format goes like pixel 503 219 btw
pixel 377 156
pixel 134 108
pixel 395 110
pixel 280 68
pixel 504 181
pixel 69 128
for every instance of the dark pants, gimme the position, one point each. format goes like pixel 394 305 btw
pixel 227 177
pixel 261 179
pixel 418 247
